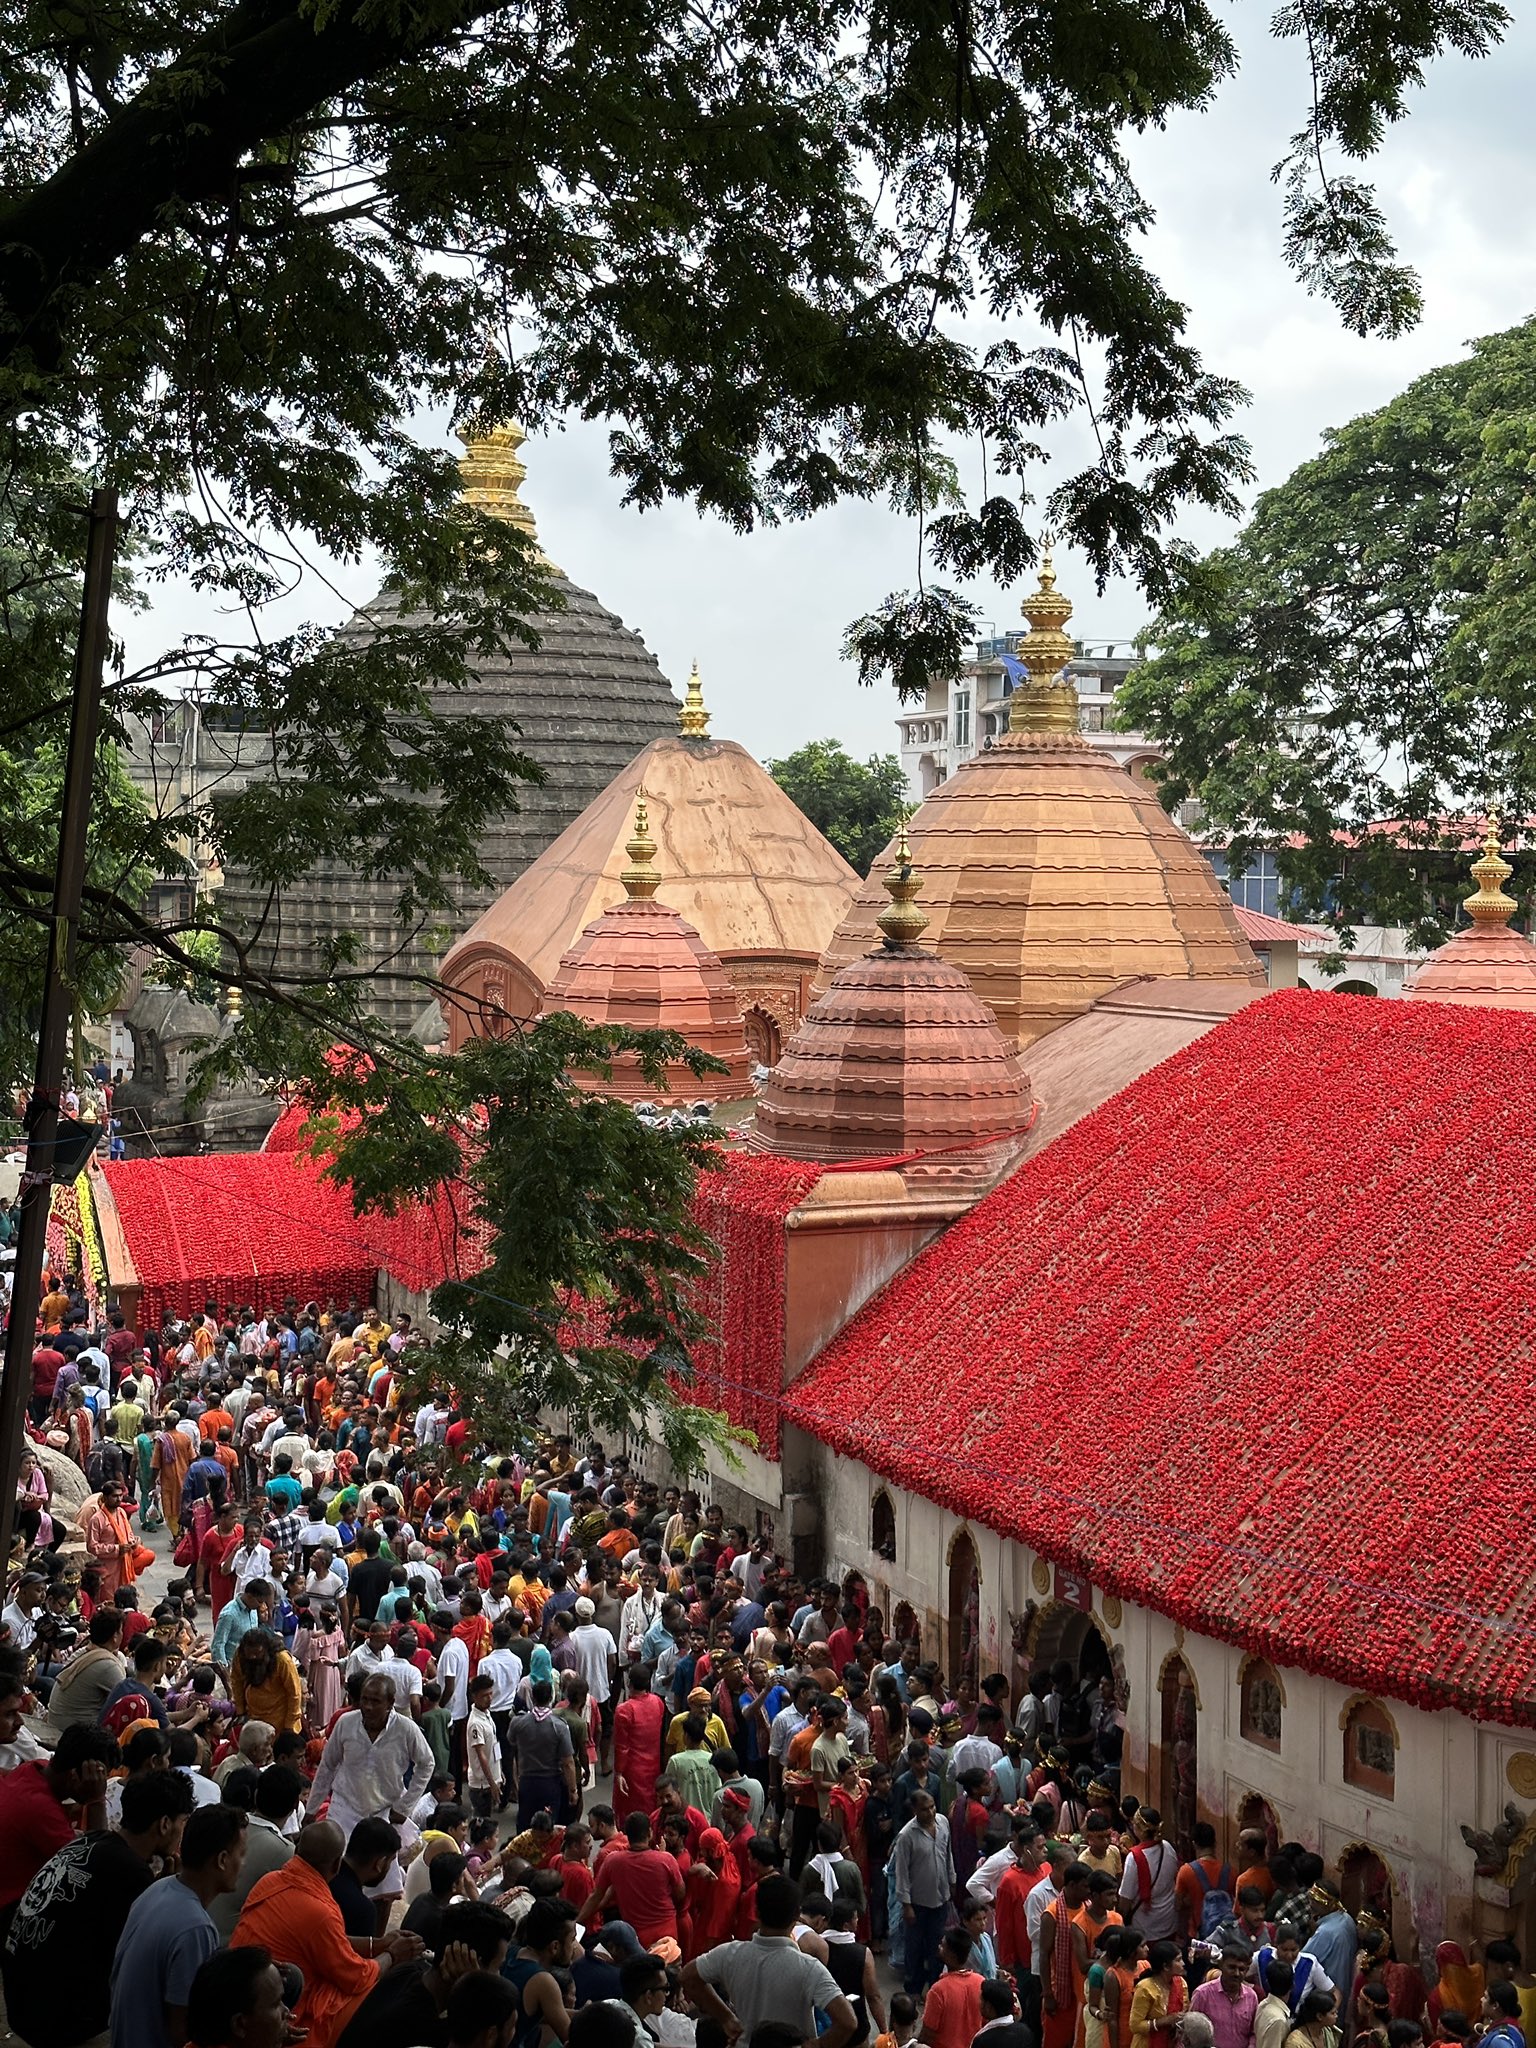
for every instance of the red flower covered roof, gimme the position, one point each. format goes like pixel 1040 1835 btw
pixel 239 1228
pixel 1251 1346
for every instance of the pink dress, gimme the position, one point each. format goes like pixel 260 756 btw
pixel 321 1653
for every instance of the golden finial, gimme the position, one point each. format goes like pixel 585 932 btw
pixel 903 923
pixel 492 474
pixel 1047 703
pixel 1490 905
pixel 693 719
pixel 640 878
pixel 234 1003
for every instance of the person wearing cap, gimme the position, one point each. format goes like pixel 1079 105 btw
pixel 597 1660
pixel 698 1702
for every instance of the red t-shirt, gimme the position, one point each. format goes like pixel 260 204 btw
pixel 952 2010
pixel 644 1883
pixel 576 1884
pixel 47 1364
pixel 33 1827
pixel 134 1625
pixel 453 1437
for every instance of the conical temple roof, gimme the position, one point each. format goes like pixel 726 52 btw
pixel 899 1056
pixel 1051 876
pixel 641 964
pixel 741 863
pixel 1485 965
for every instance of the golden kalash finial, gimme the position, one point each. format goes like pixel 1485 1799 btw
pixel 902 922
pixel 491 478
pixel 693 719
pixel 1490 905
pixel 1047 703
pixel 234 1003
pixel 640 878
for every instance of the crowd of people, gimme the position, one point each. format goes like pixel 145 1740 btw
pixel 428 1743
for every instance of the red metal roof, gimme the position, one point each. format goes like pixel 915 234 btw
pixel 1251 1345
pixel 1260 930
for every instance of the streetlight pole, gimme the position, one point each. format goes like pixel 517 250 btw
pixel 42 1117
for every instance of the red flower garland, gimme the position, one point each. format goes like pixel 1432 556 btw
pixel 1251 1346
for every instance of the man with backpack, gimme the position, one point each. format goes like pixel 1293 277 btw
pixel 1148 1895
pixel 1205 1887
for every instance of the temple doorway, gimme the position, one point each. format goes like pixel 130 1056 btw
pixel 763 1038
pixel 1178 1792
pixel 964 1613
pixel 1256 1812
pixel 1365 1883
pixel 1066 1634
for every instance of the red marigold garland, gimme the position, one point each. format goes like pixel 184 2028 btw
pixel 1251 1346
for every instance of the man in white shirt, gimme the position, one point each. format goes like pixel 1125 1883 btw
pixel 251 1558
pixel 431 1421
pixel 988 1874
pixel 453 1677
pixel 419 1568
pixel 749 1566
pixel 639 1612
pixel 375 1658
pixel 1059 1861
pixel 978 1752
pixel 597 1659
pixel 369 1757
pixel 20 1617
pixel 1148 1883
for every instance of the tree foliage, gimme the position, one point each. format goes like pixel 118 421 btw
pixel 858 805
pixel 243 245
pixel 1352 676
pixel 576 1199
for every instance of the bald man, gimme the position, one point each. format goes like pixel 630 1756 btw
pixel 292 1914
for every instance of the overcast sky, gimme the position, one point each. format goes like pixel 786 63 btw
pixel 764 614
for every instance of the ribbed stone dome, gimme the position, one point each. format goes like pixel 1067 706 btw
pixel 641 964
pixel 898 1056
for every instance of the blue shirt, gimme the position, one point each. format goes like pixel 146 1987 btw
pixel 235 1621
pixel 165 1942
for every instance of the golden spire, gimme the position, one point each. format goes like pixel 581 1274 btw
pixel 903 923
pixel 1490 905
pixel 1047 703
pixel 640 878
pixel 234 1003
pixel 492 474
pixel 693 719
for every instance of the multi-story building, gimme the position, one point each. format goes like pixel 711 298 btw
pixel 957 720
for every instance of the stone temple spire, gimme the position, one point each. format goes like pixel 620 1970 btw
pixel 693 719
pixel 1047 703
pixel 1489 905
pixel 902 923
pixel 640 878
pixel 492 473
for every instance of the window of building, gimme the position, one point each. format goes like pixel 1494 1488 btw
pixel 1256 888
pixel 1370 1749
pixel 962 718
pixel 882 1527
pixel 1261 1704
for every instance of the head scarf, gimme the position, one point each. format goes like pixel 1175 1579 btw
pixel 540 1670
pixel 1461 1983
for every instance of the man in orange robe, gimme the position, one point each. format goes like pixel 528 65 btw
pixel 292 1914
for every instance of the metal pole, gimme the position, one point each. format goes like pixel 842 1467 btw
pixel 42 1117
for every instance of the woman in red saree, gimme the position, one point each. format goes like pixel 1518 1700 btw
pixel 845 1804
pixel 714 1891
pixel 639 1725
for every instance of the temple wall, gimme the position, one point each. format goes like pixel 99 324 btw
pixel 1450 1769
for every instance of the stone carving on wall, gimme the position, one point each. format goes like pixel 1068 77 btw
pixel 1505 1852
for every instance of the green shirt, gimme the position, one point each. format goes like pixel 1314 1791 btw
pixel 434 1725
pixel 127 1419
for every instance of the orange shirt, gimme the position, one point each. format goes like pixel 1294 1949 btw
pixel 618 1543
pixel 798 1758
pixel 952 2010
pixel 291 1914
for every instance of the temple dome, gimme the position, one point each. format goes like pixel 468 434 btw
pixel 642 965
pixel 1051 876
pixel 1485 965
pixel 583 702
pixel 899 1056
pixel 745 867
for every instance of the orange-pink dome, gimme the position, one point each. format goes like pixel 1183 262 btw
pixel 1485 965
pixel 900 1055
pixel 642 965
